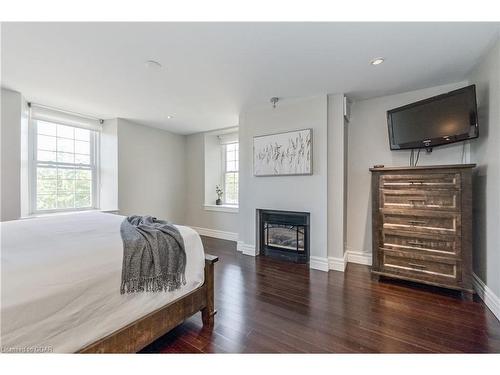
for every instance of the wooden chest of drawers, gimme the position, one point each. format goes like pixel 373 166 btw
pixel 422 224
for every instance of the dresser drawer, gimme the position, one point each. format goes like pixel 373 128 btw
pixel 429 181
pixel 427 268
pixel 420 199
pixel 422 221
pixel 421 243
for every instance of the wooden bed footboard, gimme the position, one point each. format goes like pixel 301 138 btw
pixel 142 332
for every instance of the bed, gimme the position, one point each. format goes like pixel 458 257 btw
pixel 61 280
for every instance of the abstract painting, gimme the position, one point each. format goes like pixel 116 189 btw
pixel 283 154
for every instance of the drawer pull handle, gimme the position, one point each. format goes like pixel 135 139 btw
pixel 416 243
pixel 416 181
pixel 416 222
pixel 416 265
pixel 418 200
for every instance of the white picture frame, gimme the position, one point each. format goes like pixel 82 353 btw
pixel 283 154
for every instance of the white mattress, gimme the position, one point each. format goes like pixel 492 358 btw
pixel 61 281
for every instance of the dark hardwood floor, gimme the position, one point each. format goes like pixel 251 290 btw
pixel 270 306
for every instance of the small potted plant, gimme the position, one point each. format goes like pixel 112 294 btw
pixel 219 192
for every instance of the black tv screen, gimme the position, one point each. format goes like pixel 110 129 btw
pixel 442 119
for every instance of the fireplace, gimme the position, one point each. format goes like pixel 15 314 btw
pixel 284 234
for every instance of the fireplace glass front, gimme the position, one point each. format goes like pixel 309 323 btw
pixel 289 237
pixel 284 234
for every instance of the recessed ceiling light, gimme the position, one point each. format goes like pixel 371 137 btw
pixel 170 117
pixel 377 61
pixel 152 64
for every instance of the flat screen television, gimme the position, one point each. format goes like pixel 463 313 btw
pixel 442 119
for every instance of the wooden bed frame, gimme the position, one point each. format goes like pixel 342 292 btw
pixel 142 332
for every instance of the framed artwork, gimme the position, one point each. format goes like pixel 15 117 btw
pixel 283 154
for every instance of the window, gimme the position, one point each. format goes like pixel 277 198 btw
pixel 221 159
pixel 230 173
pixel 63 167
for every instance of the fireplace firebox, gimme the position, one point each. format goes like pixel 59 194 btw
pixel 284 234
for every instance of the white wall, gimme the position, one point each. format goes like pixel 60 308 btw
pixel 108 194
pixel 368 144
pixel 196 215
pixel 151 172
pixel 336 181
pixel 486 153
pixel 293 193
pixel 11 107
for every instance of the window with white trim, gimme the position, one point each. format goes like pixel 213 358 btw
pixel 63 167
pixel 230 173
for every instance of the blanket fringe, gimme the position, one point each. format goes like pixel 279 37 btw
pixel 160 283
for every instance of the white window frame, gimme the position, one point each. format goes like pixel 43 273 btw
pixel 33 164
pixel 224 172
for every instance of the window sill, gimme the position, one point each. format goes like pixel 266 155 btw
pixel 57 213
pixel 221 208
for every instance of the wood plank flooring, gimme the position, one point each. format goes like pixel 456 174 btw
pixel 270 306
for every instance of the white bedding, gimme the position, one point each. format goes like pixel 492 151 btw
pixel 61 281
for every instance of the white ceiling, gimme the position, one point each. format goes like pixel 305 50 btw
pixel 213 71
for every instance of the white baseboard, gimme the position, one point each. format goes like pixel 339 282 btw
pixel 337 264
pixel 340 264
pixel 246 249
pixel 358 257
pixel 318 263
pixel 490 299
pixel 230 236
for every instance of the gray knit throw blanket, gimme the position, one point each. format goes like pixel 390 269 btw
pixel 154 258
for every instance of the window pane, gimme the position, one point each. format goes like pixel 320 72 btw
pixel 66 174
pixel 65 186
pixel 46 155
pixel 65 131
pixel 231 166
pixel 43 172
pixel 46 186
pixel 232 157
pixel 231 188
pixel 46 143
pixel 65 145
pixel 82 134
pixel 83 174
pixel 82 159
pixel 232 197
pixel 64 157
pixel 82 147
pixel 83 201
pixel 231 175
pixel 46 128
pixel 65 200
pixel 46 202
pixel 83 186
